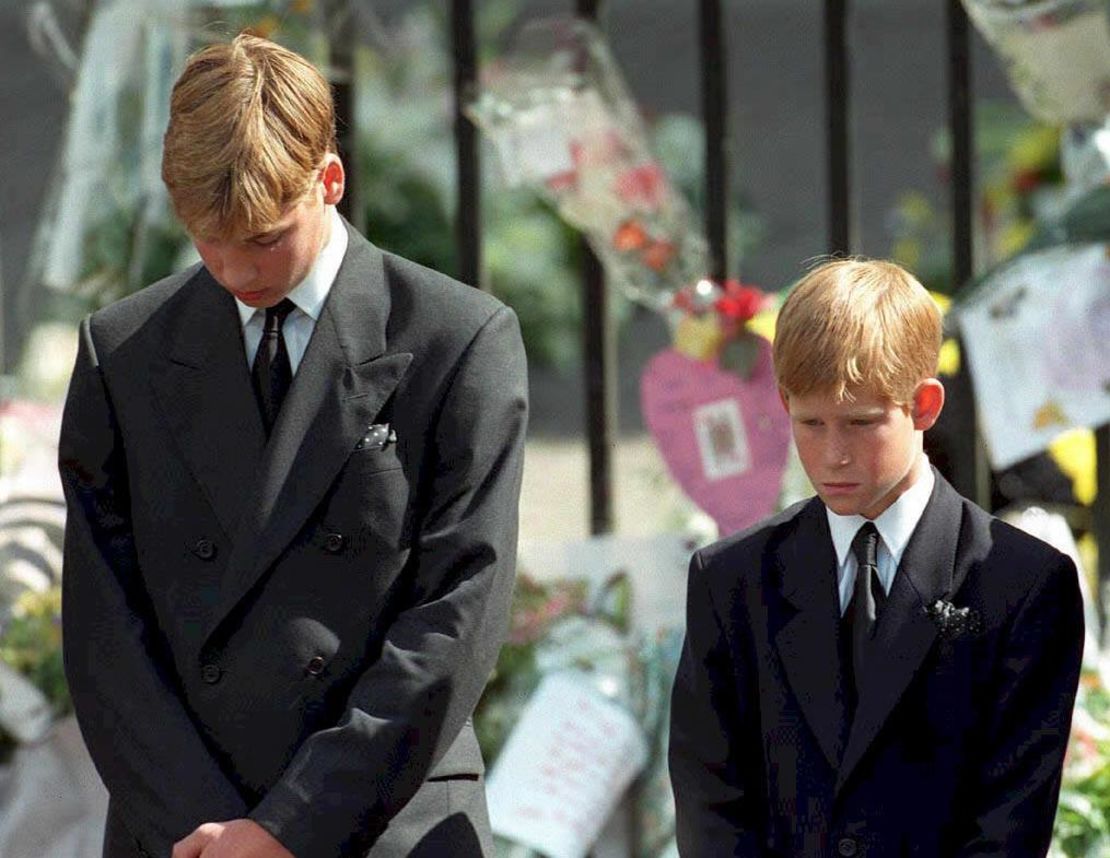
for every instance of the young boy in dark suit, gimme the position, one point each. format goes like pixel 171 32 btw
pixel 884 669
pixel 292 473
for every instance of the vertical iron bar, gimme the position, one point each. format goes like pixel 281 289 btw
pixel 714 111
pixel 1100 515
pixel 468 212
pixel 837 103
pixel 346 125
pixel 599 359
pixel 970 469
pixel 959 121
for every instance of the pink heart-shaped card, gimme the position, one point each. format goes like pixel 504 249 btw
pixel 724 438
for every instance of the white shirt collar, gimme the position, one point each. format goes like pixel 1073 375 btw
pixel 309 295
pixel 896 523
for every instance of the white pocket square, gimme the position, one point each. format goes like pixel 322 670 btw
pixel 378 436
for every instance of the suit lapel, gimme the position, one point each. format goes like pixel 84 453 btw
pixel 926 573
pixel 340 386
pixel 203 389
pixel 806 639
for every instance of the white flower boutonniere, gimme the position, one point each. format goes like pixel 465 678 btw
pixel 953 622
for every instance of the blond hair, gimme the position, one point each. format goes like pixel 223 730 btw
pixel 250 124
pixel 857 324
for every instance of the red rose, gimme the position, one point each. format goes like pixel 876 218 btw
pixel 1025 181
pixel 629 236
pixel 642 186
pixel 684 300
pixel 564 181
pixel 658 255
pixel 739 303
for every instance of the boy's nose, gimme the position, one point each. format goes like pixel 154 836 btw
pixel 837 453
pixel 237 273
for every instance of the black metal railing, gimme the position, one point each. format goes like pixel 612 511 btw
pixel 967 467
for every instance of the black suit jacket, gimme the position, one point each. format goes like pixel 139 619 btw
pixel 296 630
pixel 958 741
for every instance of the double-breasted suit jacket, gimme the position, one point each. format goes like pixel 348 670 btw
pixel 294 629
pixel 958 739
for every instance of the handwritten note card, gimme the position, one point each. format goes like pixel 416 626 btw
pixel 564 768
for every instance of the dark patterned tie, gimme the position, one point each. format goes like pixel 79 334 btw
pixel 867 601
pixel 272 372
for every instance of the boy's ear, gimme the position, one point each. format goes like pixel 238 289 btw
pixel 784 400
pixel 928 400
pixel 333 178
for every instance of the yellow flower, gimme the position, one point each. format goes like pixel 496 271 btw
pixel 915 208
pixel 907 252
pixel 1014 237
pixel 764 323
pixel 1034 149
pixel 1074 452
pixel 949 361
pixel 31 603
pixel 699 338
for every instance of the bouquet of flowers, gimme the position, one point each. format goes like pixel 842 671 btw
pixel 33 692
pixel 559 114
pixel 1056 53
pixel 1083 817
pixel 562 628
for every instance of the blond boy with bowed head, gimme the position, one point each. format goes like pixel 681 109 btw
pixel 292 474
pixel 884 669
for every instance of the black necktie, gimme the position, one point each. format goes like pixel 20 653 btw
pixel 867 600
pixel 272 373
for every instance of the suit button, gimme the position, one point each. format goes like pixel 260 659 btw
pixel 316 666
pixel 211 673
pixel 333 543
pixel 847 847
pixel 205 549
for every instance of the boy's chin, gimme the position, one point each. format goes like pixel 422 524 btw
pixel 843 504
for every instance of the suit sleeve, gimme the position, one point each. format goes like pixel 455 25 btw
pixel 344 784
pixel 1018 783
pixel 162 777
pixel 710 728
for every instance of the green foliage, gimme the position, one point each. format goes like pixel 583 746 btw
pixel 122 254
pixel 31 643
pixel 1019 174
pixel 675 137
pixel 536 607
pixel 1082 828
pixel 404 210
pixel 532 263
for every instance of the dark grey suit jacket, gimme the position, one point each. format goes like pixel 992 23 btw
pixel 958 740
pixel 296 630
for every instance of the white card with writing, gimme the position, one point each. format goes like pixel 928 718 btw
pixel 564 767
pixel 722 441
pixel 1037 338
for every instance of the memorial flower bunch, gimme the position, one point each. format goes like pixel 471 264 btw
pixel 564 625
pixel 711 321
pixel 1083 816
pixel 536 607
pixel 31 642
pixel 1020 163
pixel 559 625
pixel 31 645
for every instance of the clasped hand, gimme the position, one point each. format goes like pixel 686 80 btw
pixel 237 838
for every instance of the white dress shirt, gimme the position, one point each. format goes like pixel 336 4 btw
pixel 896 525
pixel 308 295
